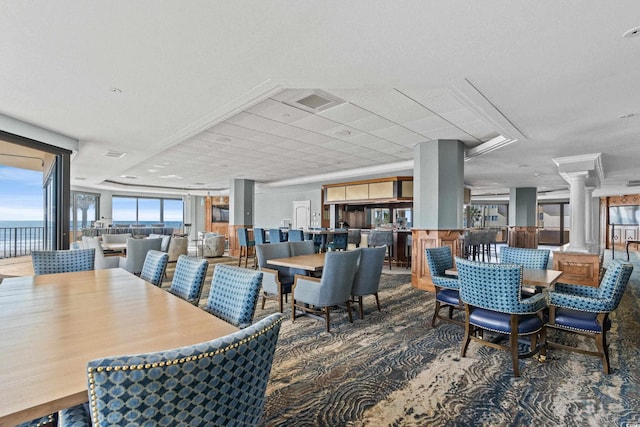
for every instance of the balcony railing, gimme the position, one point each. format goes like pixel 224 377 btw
pixel 20 241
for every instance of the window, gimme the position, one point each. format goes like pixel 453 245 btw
pixel 84 211
pixel 147 211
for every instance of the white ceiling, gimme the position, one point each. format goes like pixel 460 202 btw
pixel 205 88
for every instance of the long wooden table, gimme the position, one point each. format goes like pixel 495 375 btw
pixel 313 262
pixel 52 325
pixel 531 276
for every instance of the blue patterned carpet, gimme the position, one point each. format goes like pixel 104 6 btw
pixel 394 369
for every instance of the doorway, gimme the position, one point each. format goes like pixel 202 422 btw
pixel 301 214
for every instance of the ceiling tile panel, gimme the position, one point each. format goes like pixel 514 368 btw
pixel 426 124
pixel 231 130
pixel 315 123
pixel 278 111
pixel 371 123
pixel 345 113
pixel 251 121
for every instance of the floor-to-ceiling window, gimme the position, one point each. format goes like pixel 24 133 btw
pixel 147 211
pixel 84 212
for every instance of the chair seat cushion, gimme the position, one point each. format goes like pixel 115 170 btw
pixel 449 296
pixel 501 322
pixel 579 320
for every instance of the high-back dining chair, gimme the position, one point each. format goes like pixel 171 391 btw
pixel 259 236
pixel 62 261
pixel 367 278
pixel 317 295
pixel 218 382
pixel 584 310
pixel 245 245
pixel 155 264
pixel 234 294
pixel 137 252
pixel 295 236
pixel 528 258
pixel 101 261
pixel 339 242
pixel 275 235
pixel 188 278
pixel 493 303
pixel 382 238
pixel 276 280
pixel 447 287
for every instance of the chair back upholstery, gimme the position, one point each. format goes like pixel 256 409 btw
pixel 154 267
pixel 243 237
pixel 528 258
pixel 116 238
pixel 188 278
pixel 305 247
pixel 275 235
pixel 295 236
pixel 178 246
pixel 137 252
pixel 62 261
pixel 367 279
pixel 166 240
pixel 380 238
pixel 495 287
pixel 337 278
pixel 234 294
pixel 101 262
pixel 354 236
pixel 340 241
pixel 439 260
pixel 259 236
pixel 221 382
pixel 603 299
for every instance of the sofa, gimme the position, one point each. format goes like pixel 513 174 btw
pixel 213 245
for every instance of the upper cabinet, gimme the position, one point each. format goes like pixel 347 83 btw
pixel 391 189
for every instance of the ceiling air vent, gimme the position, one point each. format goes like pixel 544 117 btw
pixel 116 154
pixel 633 183
pixel 312 101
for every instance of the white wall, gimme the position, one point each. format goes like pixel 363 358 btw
pixel 272 205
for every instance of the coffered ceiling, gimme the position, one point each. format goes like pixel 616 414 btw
pixel 173 97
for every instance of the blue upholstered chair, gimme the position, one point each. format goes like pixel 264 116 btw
pixel 137 252
pixel 339 242
pixel 528 258
pixel 584 310
pixel 276 235
pixel 48 420
pixel 492 297
pixel 354 237
pixel 318 295
pixel 295 236
pixel 382 238
pixel 259 236
pixel 276 280
pixel 188 278
pixel 245 245
pixel 154 267
pixel 447 287
pixel 62 261
pixel 218 382
pixel 234 294
pixel 367 278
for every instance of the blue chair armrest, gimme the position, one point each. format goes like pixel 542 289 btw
pixel 579 290
pixel 577 302
pixel 445 282
pixel 531 305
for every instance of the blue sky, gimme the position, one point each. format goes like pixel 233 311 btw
pixel 20 194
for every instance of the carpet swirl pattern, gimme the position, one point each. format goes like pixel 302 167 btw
pixel 394 369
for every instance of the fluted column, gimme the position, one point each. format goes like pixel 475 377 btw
pixel 588 214
pixel 577 186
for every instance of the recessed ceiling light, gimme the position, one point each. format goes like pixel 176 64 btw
pixel 152 170
pixel 536 174
pixel 170 176
pixel 159 166
pixel 81 178
pixel 523 166
pixel 128 176
pixel 631 33
pixel 626 116
pixel 115 90
pixel 343 132
pixel 116 154
pixel 285 115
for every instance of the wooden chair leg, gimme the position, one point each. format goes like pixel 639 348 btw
pixel 435 314
pixel 328 317
pixel 361 309
pixel 377 301
pixel 466 339
pixel 264 299
pixel 349 311
pixel 240 257
pixel 280 303
pixel 513 343
pixel 601 345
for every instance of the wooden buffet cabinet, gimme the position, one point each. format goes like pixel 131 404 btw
pixel 580 268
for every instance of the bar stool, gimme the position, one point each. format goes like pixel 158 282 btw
pixel 382 238
pixel 243 240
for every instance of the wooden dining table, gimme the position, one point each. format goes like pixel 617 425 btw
pixel 312 262
pixel 52 325
pixel 530 276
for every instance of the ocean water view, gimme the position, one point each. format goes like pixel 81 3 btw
pixel 18 238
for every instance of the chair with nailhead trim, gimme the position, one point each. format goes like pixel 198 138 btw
pixel 447 287
pixel 62 261
pixel 154 267
pixel 234 294
pixel 50 420
pixel 584 310
pixel 219 382
pixel 527 258
pixel 493 303
pixel 188 278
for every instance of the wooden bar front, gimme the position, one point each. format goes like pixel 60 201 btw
pixel 523 237
pixel 580 268
pixel 423 239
